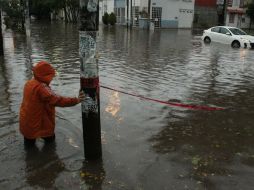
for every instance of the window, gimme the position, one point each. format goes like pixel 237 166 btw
pixel 230 3
pixel 241 3
pixel 105 8
pixel 135 14
pixel 237 31
pixel 236 3
pixel 215 29
pixel 243 19
pixel 156 16
pixel 224 30
pixel 231 18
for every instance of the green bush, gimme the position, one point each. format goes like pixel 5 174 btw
pixel 7 22
pixel 143 14
pixel 105 18
pixel 14 11
pixel 112 19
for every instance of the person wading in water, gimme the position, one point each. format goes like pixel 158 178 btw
pixel 37 111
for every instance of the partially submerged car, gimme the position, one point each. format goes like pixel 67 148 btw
pixel 228 35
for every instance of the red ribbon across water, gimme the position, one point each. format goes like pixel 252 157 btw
pixel 188 106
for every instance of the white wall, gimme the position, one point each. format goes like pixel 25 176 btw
pixel 186 13
pixel 170 8
pixel 176 10
pixel 143 3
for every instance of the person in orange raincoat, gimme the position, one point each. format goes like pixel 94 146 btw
pixel 37 111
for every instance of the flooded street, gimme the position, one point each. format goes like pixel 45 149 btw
pixel 147 145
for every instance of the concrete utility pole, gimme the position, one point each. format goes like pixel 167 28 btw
pixel 149 9
pixel 149 14
pixel 89 78
pixel 131 16
pixel 222 8
pixel 225 5
pixel 127 1
pixel 27 19
pixel 1 36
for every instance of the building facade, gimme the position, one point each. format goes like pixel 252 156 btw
pixel 172 13
pixel 235 14
pixel 206 13
pixel 163 13
pixel 119 10
pixel 209 12
pixel 135 11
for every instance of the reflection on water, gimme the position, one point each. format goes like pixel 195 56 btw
pixel 43 166
pixel 209 141
pixel 190 148
pixel 93 174
pixel 114 104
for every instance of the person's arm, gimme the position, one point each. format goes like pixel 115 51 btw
pixel 49 96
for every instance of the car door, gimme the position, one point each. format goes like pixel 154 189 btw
pixel 225 36
pixel 214 34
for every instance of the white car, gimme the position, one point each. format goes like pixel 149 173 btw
pixel 228 35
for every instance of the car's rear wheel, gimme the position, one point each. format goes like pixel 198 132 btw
pixel 207 40
pixel 236 44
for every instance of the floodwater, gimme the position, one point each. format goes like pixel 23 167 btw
pixel 146 145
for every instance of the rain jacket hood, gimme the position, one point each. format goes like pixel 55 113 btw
pixel 44 72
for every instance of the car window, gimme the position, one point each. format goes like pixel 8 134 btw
pixel 237 31
pixel 215 29
pixel 224 30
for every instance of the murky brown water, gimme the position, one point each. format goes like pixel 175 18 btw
pixel 146 145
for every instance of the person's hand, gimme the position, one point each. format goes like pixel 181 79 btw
pixel 81 96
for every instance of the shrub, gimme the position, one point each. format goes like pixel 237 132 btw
pixel 105 18
pixel 112 19
pixel 143 14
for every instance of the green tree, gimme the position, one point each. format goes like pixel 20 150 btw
pixel 14 11
pixel 42 8
pixel 105 18
pixel 71 10
pixel 112 19
pixel 39 9
pixel 250 13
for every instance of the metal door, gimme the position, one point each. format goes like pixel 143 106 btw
pixel 156 16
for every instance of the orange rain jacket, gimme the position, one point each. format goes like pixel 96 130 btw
pixel 37 111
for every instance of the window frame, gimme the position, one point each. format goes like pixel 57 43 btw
pixel 227 31
pixel 215 28
pixel 231 18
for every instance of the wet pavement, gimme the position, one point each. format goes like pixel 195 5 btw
pixel 146 145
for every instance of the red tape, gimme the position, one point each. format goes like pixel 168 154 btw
pixel 89 82
pixel 188 106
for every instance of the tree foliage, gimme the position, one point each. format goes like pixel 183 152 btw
pixel 42 9
pixel 105 18
pixel 14 10
pixel 109 19
pixel 12 7
pixel 71 10
pixel 112 19
pixel 250 12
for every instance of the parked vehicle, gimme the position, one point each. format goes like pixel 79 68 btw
pixel 228 35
